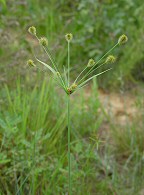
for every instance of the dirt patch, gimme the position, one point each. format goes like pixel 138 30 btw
pixel 120 107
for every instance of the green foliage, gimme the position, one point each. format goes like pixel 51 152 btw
pixel 27 137
pixel 33 142
pixel 106 158
pixel 3 2
pixel 33 137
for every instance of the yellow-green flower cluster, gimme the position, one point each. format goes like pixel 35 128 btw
pixel 122 39
pixel 43 41
pixel 91 63
pixel 69 37
pixel 110 59
pixel 30 63
pixel 71 89
pixel 32 30
pixel 58 74
pixel 73 86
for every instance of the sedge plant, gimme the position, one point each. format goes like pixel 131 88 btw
pixel 63 78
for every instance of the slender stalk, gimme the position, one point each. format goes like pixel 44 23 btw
pixel 50 57
pixel 98 61
pixel 68 123
pixel 47 51
pixel 93 70
pixel 84 82
pixel 33 163
pixel 80 74
pixel 68 63
pixel 69 151
pixel 54 64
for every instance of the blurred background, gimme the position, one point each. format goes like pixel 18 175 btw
pixel 106 117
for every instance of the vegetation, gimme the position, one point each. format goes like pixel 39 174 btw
pixel 106 150
pixel 63 80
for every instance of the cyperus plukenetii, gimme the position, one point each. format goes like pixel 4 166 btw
pixel 63 79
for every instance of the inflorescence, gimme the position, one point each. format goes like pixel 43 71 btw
pixel 83 78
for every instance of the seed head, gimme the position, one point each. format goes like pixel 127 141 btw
pixel 110 59
pixel 69 37
pixel 69 90
pixel 91 63
pixel 74 86
pixel 58 74
pixel 30 63
pixel 32 30
pixel 43 41
pixel 122 39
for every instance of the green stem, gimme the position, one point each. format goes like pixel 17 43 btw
pixel 99 61
pixel 47 51
pixel 80 74
pixel 33 162
pixel 93 70
pixel 69 154
pixel 50 57
pixel 68 63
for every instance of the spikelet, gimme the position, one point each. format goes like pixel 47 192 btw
pixel 32 30
pixel 43 41
pixel 30 63
pixel 110 59
pixel 73 86
pixel 122 39
pixel 91 63
pixel 69 37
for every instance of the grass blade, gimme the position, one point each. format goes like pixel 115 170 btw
pixel 46 65
pixel 83 83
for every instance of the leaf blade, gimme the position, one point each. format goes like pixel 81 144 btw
pixel 46 65
pixel 83 83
